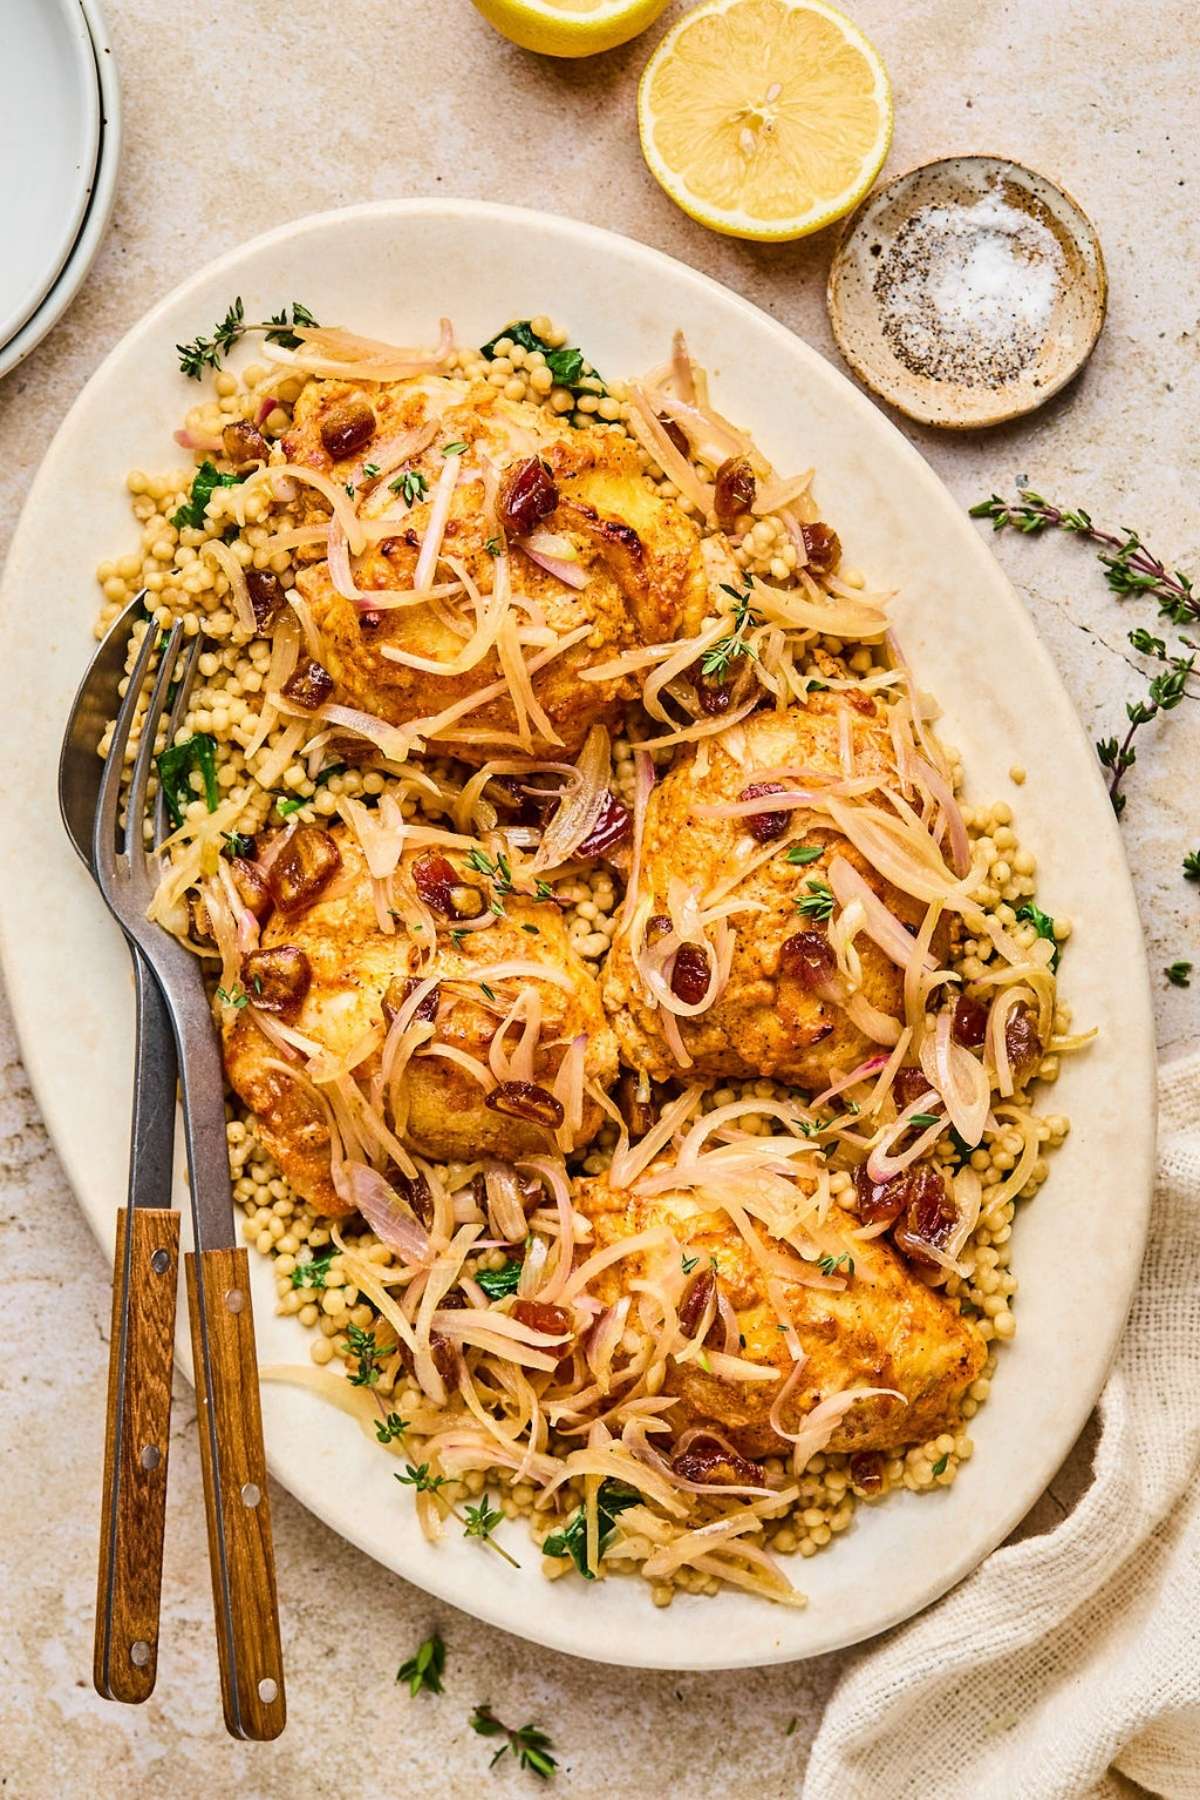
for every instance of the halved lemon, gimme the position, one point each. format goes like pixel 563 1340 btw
pixel 765 119
pixel 570 27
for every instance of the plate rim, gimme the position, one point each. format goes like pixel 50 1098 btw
pixel 443 1578
pixel 83 65
pixel 102 197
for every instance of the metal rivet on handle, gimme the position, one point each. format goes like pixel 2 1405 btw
pixel 268 1690
pixel 150 1457
pixel 235 1300
pixel 139 1653
pixel 160 1262
pixel 251 1493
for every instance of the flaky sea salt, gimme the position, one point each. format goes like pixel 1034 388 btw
pixel 967 293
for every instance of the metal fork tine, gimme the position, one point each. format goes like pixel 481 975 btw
pixel 184 678
pixel 108 800
pixel 143 762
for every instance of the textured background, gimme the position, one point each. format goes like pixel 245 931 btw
pixel 240 118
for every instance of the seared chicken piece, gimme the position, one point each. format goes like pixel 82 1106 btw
pixel 639 553
pixel 357 978
pixel 768 1020
pixel 884 1329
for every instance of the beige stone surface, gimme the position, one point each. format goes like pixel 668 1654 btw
pixel 239 118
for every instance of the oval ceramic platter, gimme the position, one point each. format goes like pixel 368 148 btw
pixel 390 270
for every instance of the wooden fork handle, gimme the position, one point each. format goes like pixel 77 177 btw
pixel 241 1554
pixel 136 1442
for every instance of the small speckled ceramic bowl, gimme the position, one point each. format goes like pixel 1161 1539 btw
pixel 968 291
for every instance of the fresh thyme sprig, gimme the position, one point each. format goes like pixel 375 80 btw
pixel 478 1521
pixel 1129 569
pixel 1164 694
pixel 207 352
pixel 369 1356
pixel 529 1743
pixel 423 1672
pixel 716 660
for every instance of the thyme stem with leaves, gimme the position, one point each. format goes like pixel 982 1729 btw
pixel 1129 568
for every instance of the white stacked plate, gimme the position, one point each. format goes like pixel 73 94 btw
pixel 60 134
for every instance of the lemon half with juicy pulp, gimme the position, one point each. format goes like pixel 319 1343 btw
pixel 570 27
pixel 765 119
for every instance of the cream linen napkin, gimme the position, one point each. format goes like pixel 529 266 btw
pixel 1072 1660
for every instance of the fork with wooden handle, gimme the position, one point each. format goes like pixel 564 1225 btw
pixel 218 1277
pixel 145 1266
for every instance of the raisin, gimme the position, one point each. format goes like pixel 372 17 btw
pixel 309 685
pixel 525 1100
pixel 969 1026
pixel 808 958
pixel 266 596
pixel 346 427
pixel 306 864
pixel 278 979
pixel 690 974
pixel 764 826
pixel 527 496
pixel 734 491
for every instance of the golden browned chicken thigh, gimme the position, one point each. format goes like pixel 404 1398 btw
pixel 884 1328
pixel 774 1016
pixel 354 977
pixel 625 566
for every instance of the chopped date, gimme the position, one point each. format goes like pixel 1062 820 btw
pixel 880 1201
pixel 808 958
pixel 734 491
pixel 527 496
pixel 278 979
pixel 614 824
pixel 346 427
pixel 696 1296
pixel 251 886
pixel 1022 1043
pixel 309 685
pixel 969 1025
pixel 266 596
pixel 525 1100
pixel 541 1315
pixel 690 974
pixel 910 1085
pixel 929 1218
pixel 304 867
pixel 713 694
pixel 402 988
pixel 676 433
pixel 822 546
pixel 244 444
pixel 707 1461
pixel 866 1471
pixel 764 827
pixel 434 875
